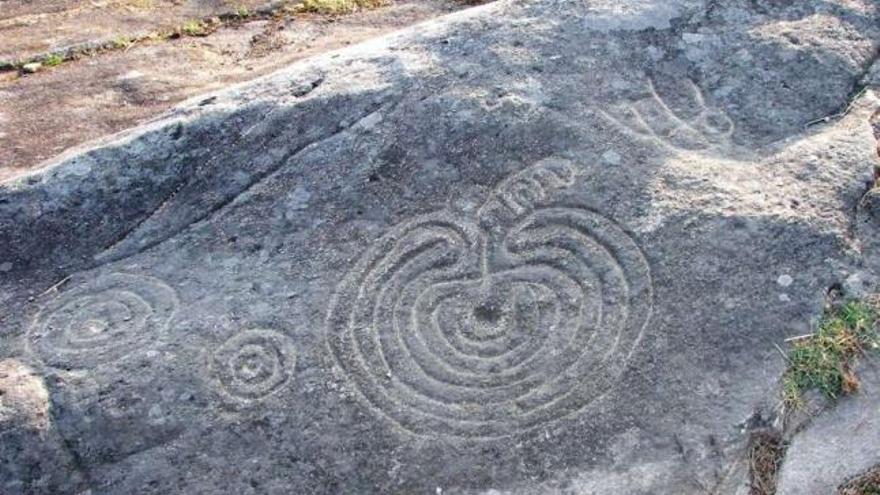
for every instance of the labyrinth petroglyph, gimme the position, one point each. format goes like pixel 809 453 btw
pixel 489 326
pixel 102 321
pixel 253 364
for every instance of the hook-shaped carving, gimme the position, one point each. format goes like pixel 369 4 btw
pixel 685 123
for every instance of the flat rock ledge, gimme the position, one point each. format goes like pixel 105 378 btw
pixel 533 247
pixel 837 445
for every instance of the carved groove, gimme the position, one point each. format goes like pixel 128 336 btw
pixel 692 126
pixel 487 328
pixel 253 364
pixel 102 321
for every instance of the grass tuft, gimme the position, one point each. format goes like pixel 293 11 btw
pixel 121 42
pixel 194 28
pixel 52 60
pixel 824 361
pixel 339 6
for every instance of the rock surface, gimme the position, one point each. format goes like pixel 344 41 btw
pixel 34 28
pixel 534 247
pixel 113 90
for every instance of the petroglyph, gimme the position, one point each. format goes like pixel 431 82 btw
pixel 464 315
pixel 102 321
pixel 487 328
pixel 529 187
pixel 682 121
pixel 253 364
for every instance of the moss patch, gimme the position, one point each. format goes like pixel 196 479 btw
pixel 52 60
pixel 195 28
pixel 121 42
pixel 339 6
pixel 825 359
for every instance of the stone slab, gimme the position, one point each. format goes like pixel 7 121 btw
pixel 533 247
pixel 837 445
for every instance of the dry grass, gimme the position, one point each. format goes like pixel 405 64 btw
pixel 766 450
pixel 864 484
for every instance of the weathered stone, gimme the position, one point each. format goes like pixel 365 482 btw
pixel 33 457
pixel 24 401
pixel 31 68
pixel 534 247
pixel 838 444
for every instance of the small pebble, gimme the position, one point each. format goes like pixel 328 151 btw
pixel 611 157
pixel 31 67
pixel 784 280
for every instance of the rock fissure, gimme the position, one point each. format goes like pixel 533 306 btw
pixel 205 215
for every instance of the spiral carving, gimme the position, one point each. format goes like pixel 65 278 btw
pixel 103 320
